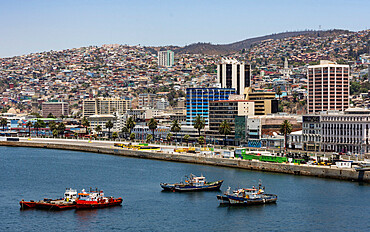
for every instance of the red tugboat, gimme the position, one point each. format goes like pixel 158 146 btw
pixel 95 200
pixel 67 202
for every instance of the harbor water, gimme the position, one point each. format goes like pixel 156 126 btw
pixel 304 203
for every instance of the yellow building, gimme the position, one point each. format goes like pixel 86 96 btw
pixel 264 102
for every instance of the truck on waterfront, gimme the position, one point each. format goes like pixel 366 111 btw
pixel 265 156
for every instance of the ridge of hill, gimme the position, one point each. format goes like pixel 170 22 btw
pixel 224 49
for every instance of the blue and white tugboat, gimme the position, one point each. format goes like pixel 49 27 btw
pixel 193 183
pixel 247 196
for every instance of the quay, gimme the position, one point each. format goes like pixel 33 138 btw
pixel 105 147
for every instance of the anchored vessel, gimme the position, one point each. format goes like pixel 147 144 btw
pixel 247 196
pixel 96 199
pixel 192 183
pixel 67 202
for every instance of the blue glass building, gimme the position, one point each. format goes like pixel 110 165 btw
pixel 197 101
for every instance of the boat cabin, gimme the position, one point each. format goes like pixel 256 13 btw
pixel 90 196
pixel 197 180
pixel 70 194
pixel 251 193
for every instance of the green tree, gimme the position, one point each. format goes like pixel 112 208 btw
pixel 278 92
pixel 85 123
pixel 169 137
pixel 201 140
pixel 109 125
pixel 186 139
pixel 175 127
pixel 50 115
pixel 29 125
pixel 199 123
pixel 115 135
pixel 125 131
pixel 37 126
pixel 52 125
pixel 55 133
pixel 61 128
pixel 286 129
pixel 3 123
pixel 224 129
pixel 130 124
pixel 153 124
pixel 149 138
pixel 98 129
pixel 132 136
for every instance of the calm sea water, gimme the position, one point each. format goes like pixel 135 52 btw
pixel 304 203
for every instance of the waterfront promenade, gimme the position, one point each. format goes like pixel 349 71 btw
pixel 168 154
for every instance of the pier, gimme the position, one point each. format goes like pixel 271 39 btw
pixel 105 147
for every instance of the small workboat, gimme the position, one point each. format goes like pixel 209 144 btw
pixel 67 202
pixel 192 183
pixel 95 200
pixel 247 196
pixel 363 167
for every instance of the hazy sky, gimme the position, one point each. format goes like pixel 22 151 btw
pixel 33 26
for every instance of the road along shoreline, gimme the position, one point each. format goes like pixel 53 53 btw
pixel 316 171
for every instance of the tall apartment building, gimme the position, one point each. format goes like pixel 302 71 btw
pixel 57 109
pixel 148 100
pixel 105 106
pixel 228 110
pixel 166 58
pixel 233 74
pixel 197 101
pixel 328 87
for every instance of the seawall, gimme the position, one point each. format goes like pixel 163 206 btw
pixel 317 171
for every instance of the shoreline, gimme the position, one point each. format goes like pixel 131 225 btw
pixel 98 147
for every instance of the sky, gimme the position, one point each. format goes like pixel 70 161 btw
pixel 28 26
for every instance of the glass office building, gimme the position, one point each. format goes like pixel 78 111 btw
pixel 197 101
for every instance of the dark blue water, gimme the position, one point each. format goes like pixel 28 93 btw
pixel 304 204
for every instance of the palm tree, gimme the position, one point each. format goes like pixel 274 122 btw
pixel 175 127
pixel 125 131
pixel 98 129
pixel 225 129
pixel 114 135
pixel 186 139
pixel 52 126
pixel 278 92
pixel 153 124
pixel 199 123
pixel 149 138
pixel 132 136
pixel 29 125
pixel 130 124
pixel 201 140
pixel 3 123
pixel 85 123
pixel 169 137
pixel 285 129
pixel 109 125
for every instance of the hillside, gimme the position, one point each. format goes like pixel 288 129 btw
pixel 223 49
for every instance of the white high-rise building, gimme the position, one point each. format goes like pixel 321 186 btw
pixel 166 58
pixel 234 74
